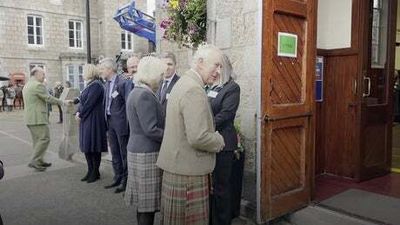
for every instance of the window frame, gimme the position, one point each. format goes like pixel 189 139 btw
pixel 126 34
pixel 76 74
pixel 34 17
pixel 74 30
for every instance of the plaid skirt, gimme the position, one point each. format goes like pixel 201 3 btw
pixel 143 188
pixel 184 200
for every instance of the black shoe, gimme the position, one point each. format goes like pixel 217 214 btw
pixel 37 167
pixel 92 178
pixel 120 189
pixel 86 177
pixel 44 164
pixel 115 184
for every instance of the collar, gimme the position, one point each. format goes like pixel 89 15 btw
pixel 198 75
pixel 113 78
pixel 170 79
pixel 145 86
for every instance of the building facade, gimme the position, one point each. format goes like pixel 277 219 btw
pixel 52 34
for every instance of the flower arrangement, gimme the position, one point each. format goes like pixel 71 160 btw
pixel 186 22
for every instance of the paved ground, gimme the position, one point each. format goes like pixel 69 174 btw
pixel 55 197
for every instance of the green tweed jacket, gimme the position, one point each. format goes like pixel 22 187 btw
pixel 36 98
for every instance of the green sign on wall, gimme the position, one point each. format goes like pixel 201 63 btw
pixel 287 45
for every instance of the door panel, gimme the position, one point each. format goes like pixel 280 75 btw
pixel 287 106
pixel 378 67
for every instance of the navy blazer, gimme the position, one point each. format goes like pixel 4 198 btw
pixel 175 78
pixel 146 121
pixel 224 107
pixel 118 107
pixel 129 85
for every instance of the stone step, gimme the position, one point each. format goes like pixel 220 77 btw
pixel 316 215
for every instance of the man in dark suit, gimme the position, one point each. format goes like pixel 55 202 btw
pixel 118 131
pixel 131 65
pixel 170 78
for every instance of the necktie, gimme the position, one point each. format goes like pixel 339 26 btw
pixel 206 88
pixel 108 97
pixel 164 90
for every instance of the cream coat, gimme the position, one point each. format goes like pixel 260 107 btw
pixel 190 141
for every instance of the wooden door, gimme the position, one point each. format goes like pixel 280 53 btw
pixel 287 106
pixel 377 70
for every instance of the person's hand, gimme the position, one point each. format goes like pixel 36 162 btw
pixel 68 102
pixel 77 118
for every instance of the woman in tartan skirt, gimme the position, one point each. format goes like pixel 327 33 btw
pixel 146 123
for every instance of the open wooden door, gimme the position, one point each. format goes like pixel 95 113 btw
pixel 287 105
pixel 378 69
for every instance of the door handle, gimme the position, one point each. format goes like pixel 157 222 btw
pixel 355 87
pixel 368 87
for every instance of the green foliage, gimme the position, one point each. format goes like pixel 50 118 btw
pixel 186 23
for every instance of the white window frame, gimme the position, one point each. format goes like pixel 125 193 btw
pixel 81 83
pixel 127 34
pixel 35 35
pixel 75 74
pixel 151 7
pixel 75 38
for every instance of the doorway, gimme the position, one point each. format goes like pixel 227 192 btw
pixel 354 119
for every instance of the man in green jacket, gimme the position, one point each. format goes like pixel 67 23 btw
pixel 35 116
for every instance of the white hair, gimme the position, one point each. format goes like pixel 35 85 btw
pixel 227 70
pixel 109 63
pixel 150 71
pixel 203 52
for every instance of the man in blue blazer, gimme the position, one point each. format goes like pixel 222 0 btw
pixel 170 78
pixel 118 131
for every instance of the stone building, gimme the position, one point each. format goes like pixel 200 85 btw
pixel 52 34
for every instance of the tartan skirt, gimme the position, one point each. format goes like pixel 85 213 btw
pixel 184 199
pixel 143 188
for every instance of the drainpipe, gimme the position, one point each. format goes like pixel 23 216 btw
pixel 89 56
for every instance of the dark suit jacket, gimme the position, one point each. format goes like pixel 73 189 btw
pixel 1 170
pixel 146 121
pixel 224 107
pixel 118 108
pixel 129 85
pixel 175 78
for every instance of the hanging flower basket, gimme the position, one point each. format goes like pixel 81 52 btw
pixel 186 23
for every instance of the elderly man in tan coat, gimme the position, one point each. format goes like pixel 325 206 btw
pixel 187 153
pixel 36 116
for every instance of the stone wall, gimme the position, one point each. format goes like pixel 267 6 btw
pixel 16 55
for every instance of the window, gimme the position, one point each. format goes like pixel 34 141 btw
pixel 33 65
pixel 35 30
pixel 80 74
pixel 379 33
pixel 75 76
pixel 126 40
pixel 75 34
pixel 71 75
pixel 151 7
